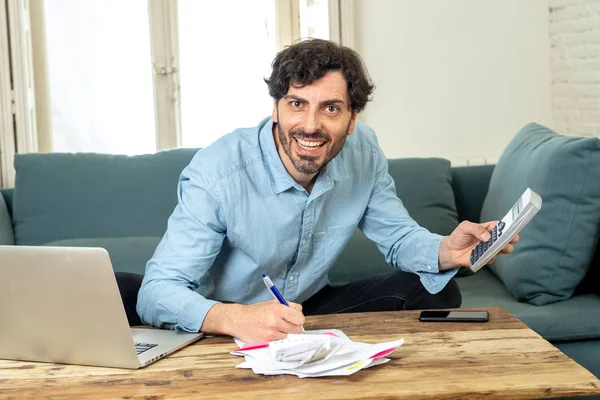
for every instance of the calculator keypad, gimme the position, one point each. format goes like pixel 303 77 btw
pixel 482 247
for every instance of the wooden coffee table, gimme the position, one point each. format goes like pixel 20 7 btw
pixel 501 359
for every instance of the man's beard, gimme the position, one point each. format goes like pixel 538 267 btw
pixel 308 164
pixel 304 164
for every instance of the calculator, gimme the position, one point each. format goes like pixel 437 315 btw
pixel 517 218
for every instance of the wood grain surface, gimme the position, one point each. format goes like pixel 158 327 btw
pixel 500 359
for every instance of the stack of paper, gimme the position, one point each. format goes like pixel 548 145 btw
pixel 313 354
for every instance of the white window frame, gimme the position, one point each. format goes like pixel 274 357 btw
pixel 7 137
pixel 17 101
pixel 287 22
pixel 164 38
pixel 344 13
pixel 341 22
pixel 22 71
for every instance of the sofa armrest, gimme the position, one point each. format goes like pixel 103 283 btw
pixel 7 235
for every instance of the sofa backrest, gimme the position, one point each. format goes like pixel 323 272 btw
pixel 470 185
pixel 137 194
pixel 62 196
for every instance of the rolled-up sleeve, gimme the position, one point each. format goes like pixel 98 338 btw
pixel 176 282
pixel 405 245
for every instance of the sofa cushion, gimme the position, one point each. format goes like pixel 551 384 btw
pixel 103 196
pixel 126 254
pixel 572 319
pixel 425 187
pixel 557 246
pixel 6 229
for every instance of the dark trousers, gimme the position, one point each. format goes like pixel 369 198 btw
pixel 129 286
pixel 392 291
pixel 388 292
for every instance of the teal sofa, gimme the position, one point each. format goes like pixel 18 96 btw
pixel 122 204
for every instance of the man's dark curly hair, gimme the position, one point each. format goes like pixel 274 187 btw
pixel 307 61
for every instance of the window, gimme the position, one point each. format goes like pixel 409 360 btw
pixel 132 77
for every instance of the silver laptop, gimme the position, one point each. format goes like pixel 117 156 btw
pixel 62 305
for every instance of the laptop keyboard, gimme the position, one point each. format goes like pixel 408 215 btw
pixel 142 347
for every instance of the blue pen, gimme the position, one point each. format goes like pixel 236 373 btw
pixel 269 284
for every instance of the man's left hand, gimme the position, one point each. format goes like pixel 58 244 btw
pixel 455 250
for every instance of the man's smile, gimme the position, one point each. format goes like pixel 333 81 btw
pixel 310 144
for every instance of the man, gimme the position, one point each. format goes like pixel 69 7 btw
pixel 283 199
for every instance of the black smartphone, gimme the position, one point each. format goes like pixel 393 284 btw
pixel 454 316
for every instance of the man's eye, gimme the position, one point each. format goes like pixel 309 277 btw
pixel 331 109
pixel 296 104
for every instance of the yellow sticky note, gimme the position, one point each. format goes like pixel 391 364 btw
pixel 355 365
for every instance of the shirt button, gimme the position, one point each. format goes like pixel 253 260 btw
pixel 291 278
pixel 429 267
pixel 303 242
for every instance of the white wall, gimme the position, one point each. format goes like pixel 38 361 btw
pixel 575 52
pixel 455 79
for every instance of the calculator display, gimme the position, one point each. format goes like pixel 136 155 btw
pixel 517 209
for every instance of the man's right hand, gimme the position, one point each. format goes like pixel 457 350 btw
pixel 265 321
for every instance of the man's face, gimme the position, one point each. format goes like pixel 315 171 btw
pixel 312 124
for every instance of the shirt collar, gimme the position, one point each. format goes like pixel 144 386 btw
pixel 281 180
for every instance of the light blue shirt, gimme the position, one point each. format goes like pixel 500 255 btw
pixel 240 214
